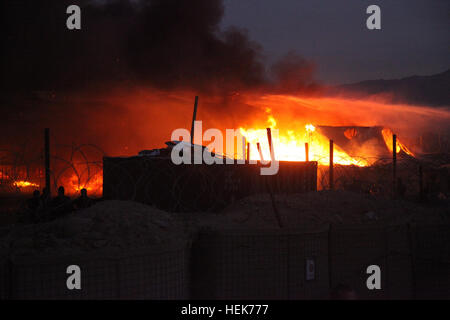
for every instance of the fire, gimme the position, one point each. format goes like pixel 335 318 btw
pixel 93 185
pixel 388 139
pixel 24 184
pixel 18 183
pixel 310 128
pixel 290 145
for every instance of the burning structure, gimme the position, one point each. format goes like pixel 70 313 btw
pixel 118 82
pixel 153 178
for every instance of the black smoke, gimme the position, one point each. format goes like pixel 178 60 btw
pixel 165 44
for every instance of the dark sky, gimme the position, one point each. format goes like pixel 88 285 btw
pixel 414 38
pixel 277 45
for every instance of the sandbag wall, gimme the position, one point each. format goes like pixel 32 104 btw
pixel 157 273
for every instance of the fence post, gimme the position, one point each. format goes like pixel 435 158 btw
pixel 244 149
pixel 331 165
pixel 248 152
pixel 260 152
pixel 269 138
pixel 194 117
pixel 306 152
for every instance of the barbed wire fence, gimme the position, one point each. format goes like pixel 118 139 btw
pixel 81 166
pixel 414 176
pixel 22 171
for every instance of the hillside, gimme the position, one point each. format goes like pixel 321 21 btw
pixel 431 90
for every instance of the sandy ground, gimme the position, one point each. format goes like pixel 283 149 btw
pixel 126 224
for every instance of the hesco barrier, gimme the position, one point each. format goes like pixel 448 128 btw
pixel 242 264
pixel 399 263
pixel 259 265
pixel 200 187
pixel 158 273
pixel 353 249
pixel 431 256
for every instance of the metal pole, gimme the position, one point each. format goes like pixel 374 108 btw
pixel 260 151
pixel 194 117
pixel 306 151
pixel 394 164
pixel 47 160
pixel 269 137
pixel 331 165
pixel 268 183
pixel 248 152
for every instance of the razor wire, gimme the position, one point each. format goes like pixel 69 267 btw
pixel 202 187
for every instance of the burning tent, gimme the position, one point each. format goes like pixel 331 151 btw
pixel 372 142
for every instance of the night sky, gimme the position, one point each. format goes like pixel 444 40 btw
pixel 220 45
pixel 414 38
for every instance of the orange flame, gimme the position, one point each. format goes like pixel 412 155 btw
pixel 388 139
pixel 94 185
pixel 24 184
pixel 290 145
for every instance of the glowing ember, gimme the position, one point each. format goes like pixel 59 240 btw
pixel 24 184
pixel 18 183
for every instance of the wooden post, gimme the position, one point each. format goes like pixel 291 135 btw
pixel 248 152
pixel 331 165
pixel 268 182
pixel 47 160
pixel 394 164
pixel 193 120
pixel 269 138
pixel 306 151
pixel 244 148
pixel 260 152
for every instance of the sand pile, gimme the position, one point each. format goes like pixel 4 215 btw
pixel 108 225
pixel 317 209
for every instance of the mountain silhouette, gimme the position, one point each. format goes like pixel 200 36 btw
pixel 432 90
